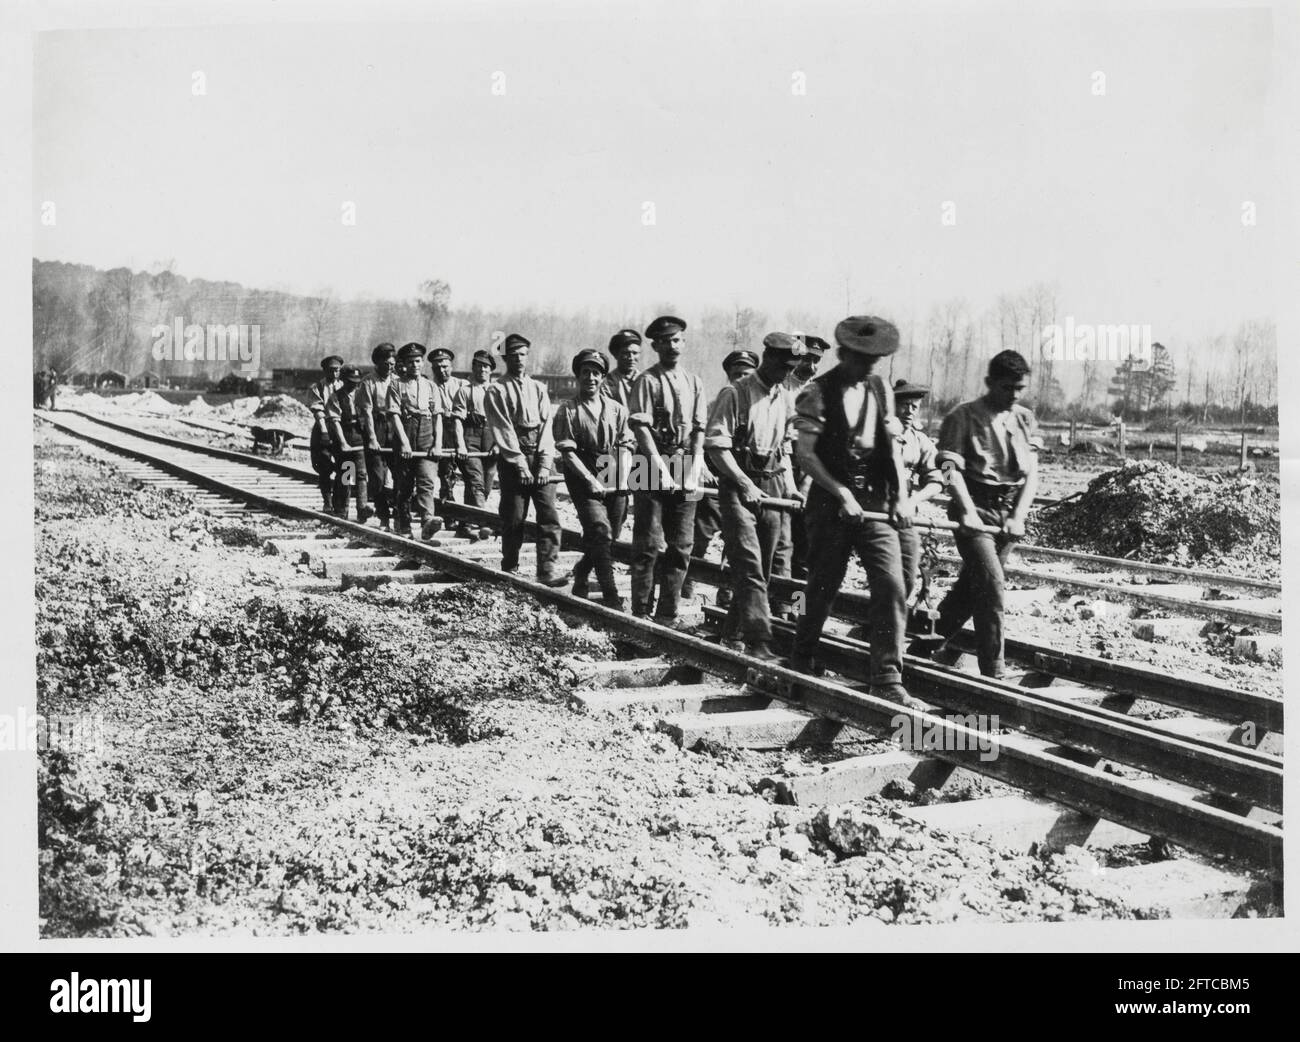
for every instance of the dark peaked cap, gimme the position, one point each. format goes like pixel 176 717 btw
pixel 665 325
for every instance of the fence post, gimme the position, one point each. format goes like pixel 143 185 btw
pixel 1178 446
pixel 1243 450
pixel 1121 439
pixel 1072 428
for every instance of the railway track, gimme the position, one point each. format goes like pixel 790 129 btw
pixel 1169 590
pixel 1210 782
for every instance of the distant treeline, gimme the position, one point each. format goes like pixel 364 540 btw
pixel 88 320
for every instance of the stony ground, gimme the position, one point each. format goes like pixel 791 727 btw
pixel 285 761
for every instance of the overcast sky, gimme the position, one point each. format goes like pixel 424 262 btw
pixel 1131 201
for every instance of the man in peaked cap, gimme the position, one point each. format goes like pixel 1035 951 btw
pixel 372 404
pixel 625 348
pixel 924 478
pixel 446 388
pixel 814 349
pixel 344 414
pixel 847 444
pixel 520 413
pixel 748 441
pixel 474 435
pixel 322 460
pixel 592 436
pixel 667 418
pixel 414 424
pixel 708 516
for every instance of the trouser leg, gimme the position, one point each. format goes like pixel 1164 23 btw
pixel 909 543
pixel 798 546
pixel 980 596
pixel 743 534
pixel 548 530
pixel 322 462
pixel 475 491
pixel 647 533
pixel 616 507
pixel 426 487
pixel 825 576
pixel 594 517
pixel 446 480
pixel 679 536
pixel 379 484
pixel 512 509
pixel 877 546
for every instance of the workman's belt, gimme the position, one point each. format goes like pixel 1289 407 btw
pixel 993 497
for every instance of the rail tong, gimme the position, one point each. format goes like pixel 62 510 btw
pixel 793 506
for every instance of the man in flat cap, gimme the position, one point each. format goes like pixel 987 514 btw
pixel 747 440
pixel 924 478
pixel 344 414
pixel 520 415
pixel 322 459
pixel 668 419
pixel 625 349
pixel 708 517
pixel 372 404
pixel 474 435
pixel 814 349
pixel 847 444
pixel 592 437
pixel 411 409
pixel 987 451
pixel 445 390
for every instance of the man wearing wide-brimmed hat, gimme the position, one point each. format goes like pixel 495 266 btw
pixel 847 430
pixel 343 413
pixel 924 478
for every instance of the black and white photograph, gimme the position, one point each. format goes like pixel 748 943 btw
pixel 652 474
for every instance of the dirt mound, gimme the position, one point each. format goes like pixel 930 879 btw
pixel 148 401
pixel 1151 511
pixel 239 408
pixel 198 407
pixel 283 410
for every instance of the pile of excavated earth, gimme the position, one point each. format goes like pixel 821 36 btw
pixel 1152 511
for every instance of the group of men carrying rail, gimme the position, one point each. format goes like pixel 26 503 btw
pixel 798 471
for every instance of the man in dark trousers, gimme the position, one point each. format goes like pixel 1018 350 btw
pixel 668 418
pixel 592 436
pixel 987 449
pixel 473 434
pixel 847 434
pixel 747 441
pixel 446 389
pixel 413 419
pixel 815 349
pixel 625 347
pixel 322 459
pixel 343 414
pixel 708 516
pixel 372 403
pixel 925 480
pixel 520 414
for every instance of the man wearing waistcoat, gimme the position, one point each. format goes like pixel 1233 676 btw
pixel 343 413
pixel 846 444
pixel 413 419
pixel 474 435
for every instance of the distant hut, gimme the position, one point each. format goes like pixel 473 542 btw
pixel 147 379
pixel 110 378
